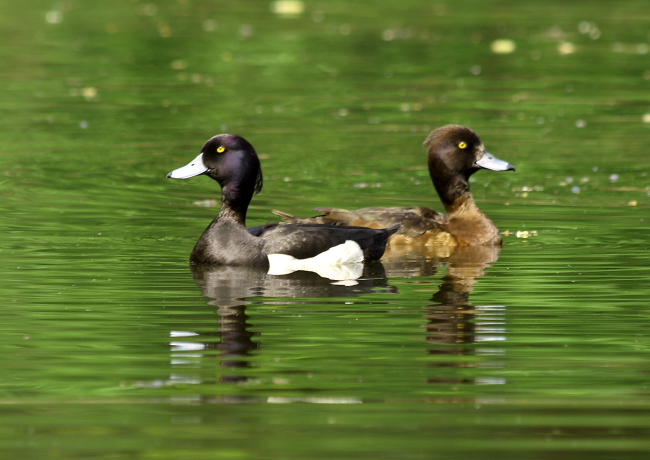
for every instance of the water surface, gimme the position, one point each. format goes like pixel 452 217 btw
pixel 114 347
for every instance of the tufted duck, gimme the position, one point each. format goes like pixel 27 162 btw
pixel 232 161
pixel 455 153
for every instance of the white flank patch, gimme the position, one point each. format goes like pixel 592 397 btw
pixel 341 263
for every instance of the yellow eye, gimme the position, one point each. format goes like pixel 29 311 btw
pixel 221 149
pixel 462 145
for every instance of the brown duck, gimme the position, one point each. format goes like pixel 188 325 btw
pixel 455 153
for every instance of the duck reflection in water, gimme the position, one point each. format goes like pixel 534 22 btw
pixel 232 289
pixel 455 327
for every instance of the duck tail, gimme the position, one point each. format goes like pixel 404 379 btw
pixel 376 250
pixel 286 216
pixel 393 229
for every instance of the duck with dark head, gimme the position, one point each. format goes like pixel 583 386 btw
pixel 234 164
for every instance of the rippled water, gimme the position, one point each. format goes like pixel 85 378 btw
pixel 113 347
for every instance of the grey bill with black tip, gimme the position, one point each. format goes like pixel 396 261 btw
pixel 489 161
pixel 193 168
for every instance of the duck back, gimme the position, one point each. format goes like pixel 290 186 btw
pixel 308 240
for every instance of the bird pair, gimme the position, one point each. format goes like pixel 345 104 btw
pixel 340 236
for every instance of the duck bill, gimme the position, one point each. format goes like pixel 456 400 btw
pixel 195 167
pixel 489 161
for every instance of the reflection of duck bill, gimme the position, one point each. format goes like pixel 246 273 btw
pixel 341 263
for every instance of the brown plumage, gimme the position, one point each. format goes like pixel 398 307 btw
pixel 454 154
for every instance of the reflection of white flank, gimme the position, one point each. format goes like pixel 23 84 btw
pixel 342 263
pixel 312 400
pixel 182 334
pixel 187 346
pixel 490 323
pixel 490 381
pixel 490 326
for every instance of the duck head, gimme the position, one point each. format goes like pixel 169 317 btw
pixel 455 153
pixel 226 158
pixel 230 160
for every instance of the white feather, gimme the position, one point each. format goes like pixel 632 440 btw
pixel 342 262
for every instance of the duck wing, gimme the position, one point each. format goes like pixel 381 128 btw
pixel 414 220
pixel 261 229
pixel 306 240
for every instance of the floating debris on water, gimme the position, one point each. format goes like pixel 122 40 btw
pixel 54 17
pixel 523 191
pixel 288 8
pixel 520 233
pixel 89 93
pixel 526 234
pixel 206 203
pixel 366 185
pixel 566 48
pixel 246 31
pixel 210 25
pixel 503 46
pixel 631 48
pixel 589 28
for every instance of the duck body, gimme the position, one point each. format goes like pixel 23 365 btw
pixel 281 238
pixel 415 221
pixel 454 154
pixel 227 243
pixel 232 161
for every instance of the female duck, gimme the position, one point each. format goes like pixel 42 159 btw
pixel 455 153
pixel 232 161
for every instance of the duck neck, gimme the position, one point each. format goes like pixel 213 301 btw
pixel 463 204
pixel 234 204
pixel 454 193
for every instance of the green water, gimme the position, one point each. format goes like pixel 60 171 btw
pixel 113 348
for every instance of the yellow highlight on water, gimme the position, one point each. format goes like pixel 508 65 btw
pixel 288 7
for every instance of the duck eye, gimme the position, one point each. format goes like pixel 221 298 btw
pixel 221 149
pixel 462 145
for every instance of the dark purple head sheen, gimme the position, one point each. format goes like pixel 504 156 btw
pixel 230 160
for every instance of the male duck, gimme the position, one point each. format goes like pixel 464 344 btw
pixel 455 153
pixel 232 161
